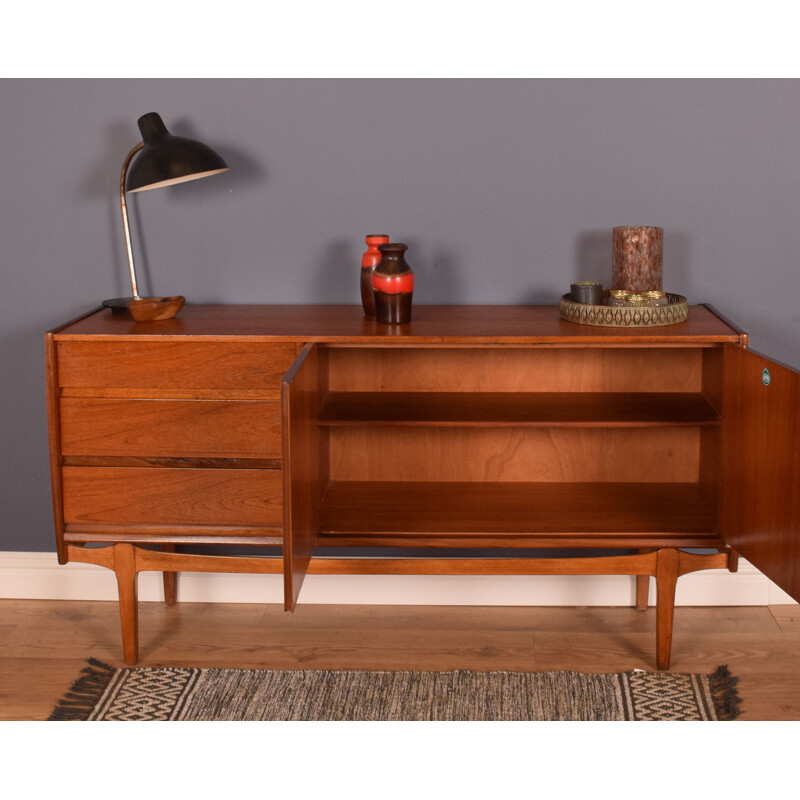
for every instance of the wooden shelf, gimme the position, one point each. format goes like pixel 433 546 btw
pixel 470 508
pixel 493 409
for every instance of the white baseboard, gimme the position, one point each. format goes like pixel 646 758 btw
pixel 38 576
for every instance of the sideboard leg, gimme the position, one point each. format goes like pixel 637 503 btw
pixel 642 586
pixel 666 580
pixel 642 592
pixel 125 570
pixel 170 580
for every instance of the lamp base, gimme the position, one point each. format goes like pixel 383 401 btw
pixel 146 309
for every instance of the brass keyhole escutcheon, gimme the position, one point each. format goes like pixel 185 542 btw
pixel 766 378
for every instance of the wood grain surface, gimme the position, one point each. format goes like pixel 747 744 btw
pixel 167 364
pixel 171 428
pixel 516 508
pixel 516 369
pixel 303 472
pixel 435 324
pixel 496 409
pixel 129 495
pixel 761 452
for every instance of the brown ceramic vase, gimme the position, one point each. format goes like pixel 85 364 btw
pixel 393 285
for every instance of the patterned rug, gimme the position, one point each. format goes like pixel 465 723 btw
pixel 167 693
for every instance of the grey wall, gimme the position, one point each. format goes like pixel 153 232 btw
pixel 505 191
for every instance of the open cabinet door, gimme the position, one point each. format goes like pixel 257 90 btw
pixel 760 509
pixel 302 481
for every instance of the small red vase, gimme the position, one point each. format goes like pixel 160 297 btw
pixel 369 261
pixel 393 285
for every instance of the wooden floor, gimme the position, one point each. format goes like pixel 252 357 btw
pixel 43 644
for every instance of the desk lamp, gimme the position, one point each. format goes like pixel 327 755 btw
pixel 163 160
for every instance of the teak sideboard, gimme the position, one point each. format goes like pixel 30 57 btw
pixel 499 432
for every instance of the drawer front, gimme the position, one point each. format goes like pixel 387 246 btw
pixel 203 366
pixel 170 428
pixel 166 496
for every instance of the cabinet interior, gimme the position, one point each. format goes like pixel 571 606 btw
pixel 518 446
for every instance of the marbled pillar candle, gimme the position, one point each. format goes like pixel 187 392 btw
pixel 637 258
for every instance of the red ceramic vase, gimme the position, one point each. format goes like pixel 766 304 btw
pixel 393 285
pixel 369 261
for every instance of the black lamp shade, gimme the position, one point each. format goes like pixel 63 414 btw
pixel 166 159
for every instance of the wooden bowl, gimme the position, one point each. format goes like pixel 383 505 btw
pixel 149 309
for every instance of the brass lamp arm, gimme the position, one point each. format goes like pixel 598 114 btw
pixel 125 224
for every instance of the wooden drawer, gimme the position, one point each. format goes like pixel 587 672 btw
pixel 167 496
pixel 170 428
pixel 183 365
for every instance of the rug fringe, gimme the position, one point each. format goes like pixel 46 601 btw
pixel 78 702
pixel 723 690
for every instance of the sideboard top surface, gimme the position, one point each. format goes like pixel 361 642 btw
pixel 475 324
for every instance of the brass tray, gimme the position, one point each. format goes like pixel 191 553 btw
pixel 676 310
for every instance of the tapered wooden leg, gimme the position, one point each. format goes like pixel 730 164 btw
pixel 642 592
pixel 125 570
pixel 643 586
pixel 170 580
pixel 666 580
